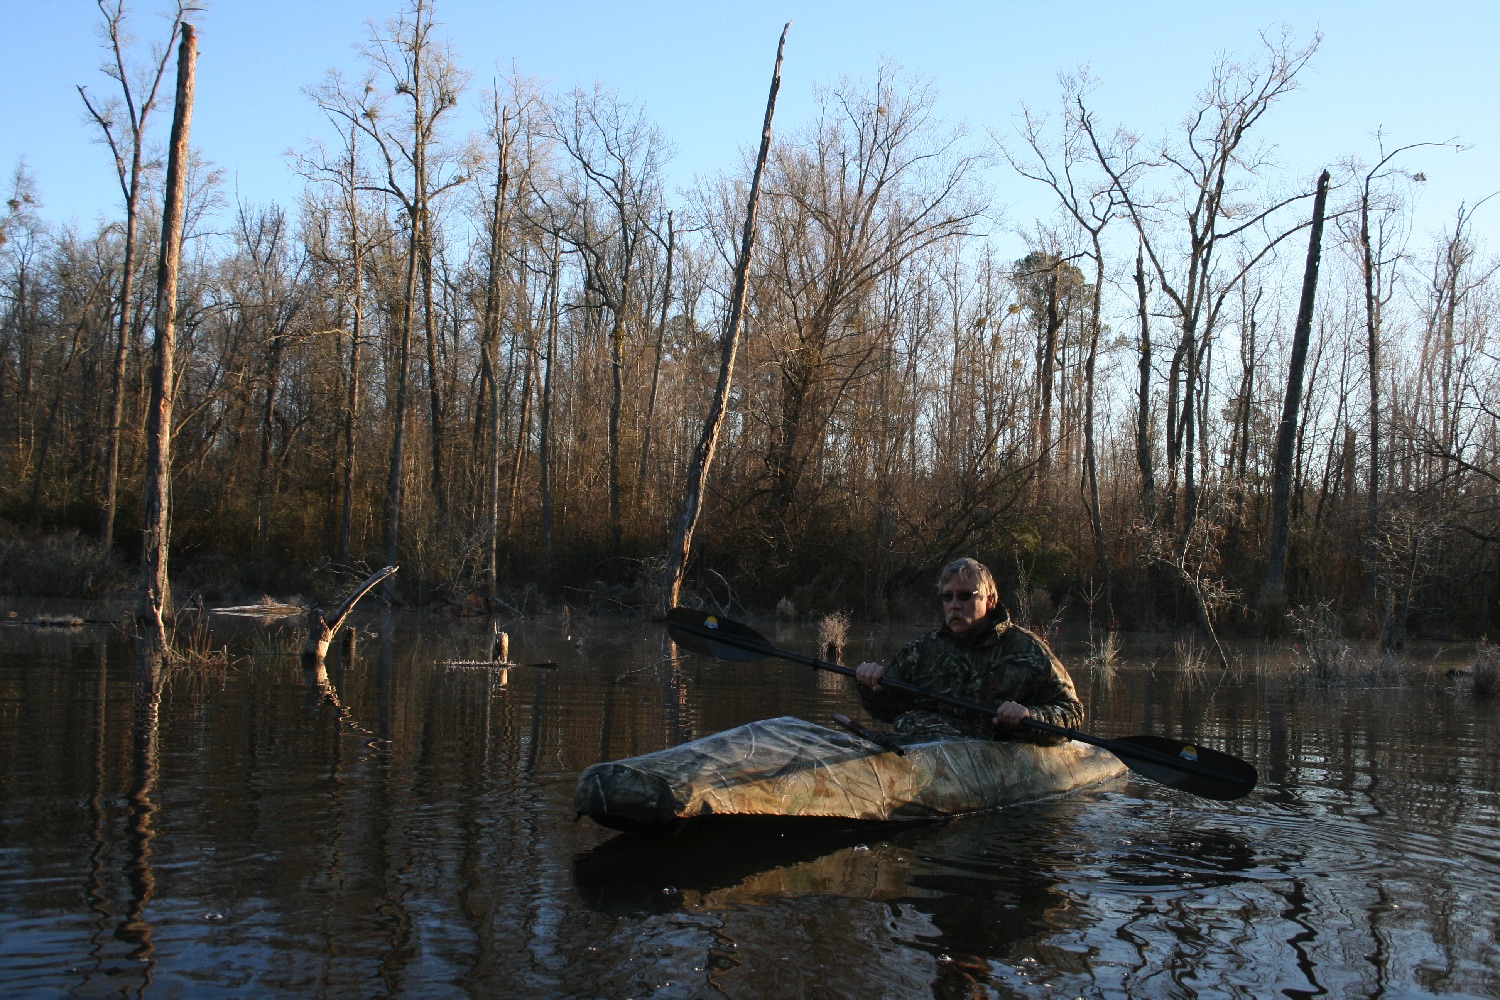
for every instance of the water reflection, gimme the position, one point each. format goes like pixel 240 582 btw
pixel 390 826
pixel 135 928
pixel 981 897
pixel 719 864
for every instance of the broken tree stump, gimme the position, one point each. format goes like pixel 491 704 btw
pixel 321 629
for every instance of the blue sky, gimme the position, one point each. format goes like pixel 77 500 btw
pixel 1419 72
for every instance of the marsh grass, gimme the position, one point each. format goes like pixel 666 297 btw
pixel 193 647
pixel 833 633
pixel 1104 647
pixel 1326 658
pixel 1104 658
pixel 1486 672
pixel 1192 662
pixel 283 639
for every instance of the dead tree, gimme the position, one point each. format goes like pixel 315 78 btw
pixel 703 454
pixel 154 607
pixel 321 628
pixel 107 116
pixel 494 307
pixel 1273 593
pixel 1143 458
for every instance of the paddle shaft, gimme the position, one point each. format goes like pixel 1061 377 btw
pixel 1125 751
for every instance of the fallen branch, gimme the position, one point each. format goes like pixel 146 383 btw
pixel 322 629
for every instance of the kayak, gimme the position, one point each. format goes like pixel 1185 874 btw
pixel 790 768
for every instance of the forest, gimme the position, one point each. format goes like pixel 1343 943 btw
pixel 488 357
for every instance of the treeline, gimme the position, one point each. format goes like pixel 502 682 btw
pixel 488 357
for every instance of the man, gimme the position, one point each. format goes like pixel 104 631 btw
pixel 980 655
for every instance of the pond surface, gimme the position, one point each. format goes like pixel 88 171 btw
pixel 238 833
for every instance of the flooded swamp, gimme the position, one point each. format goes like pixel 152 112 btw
pixel 402 825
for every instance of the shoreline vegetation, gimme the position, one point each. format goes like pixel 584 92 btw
pixel 1316 654
pixel 488 358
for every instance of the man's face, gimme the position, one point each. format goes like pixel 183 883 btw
pixel 963 605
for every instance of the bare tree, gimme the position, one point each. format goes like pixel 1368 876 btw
pixel 544 449
pixel 702 460
pixel 1379 248
pixel 345 171
pixel 129 113
pixel 876 182
pixel 1204 207
pixel 661 336
pixel 1090 205
pixel 494 308
pixel 1273 593
pixel 1051 291
pixel 154 607
pixel 1144 460
pixel 617 155
pixel 421 70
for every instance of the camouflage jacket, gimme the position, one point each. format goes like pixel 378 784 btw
pixel 1003 662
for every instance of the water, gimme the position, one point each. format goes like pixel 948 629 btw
pixel 242 834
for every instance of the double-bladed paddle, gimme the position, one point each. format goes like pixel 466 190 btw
pixel 1174 763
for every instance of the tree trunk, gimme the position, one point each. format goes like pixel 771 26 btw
pixel 117 375
pixel 351 406
pixel 398 432
pixel 616 402
pixel 1372 346
pixel 1046 362
pixel 544 447
pixel 130 185
pixel 661 335
pixel 1188 425
pixel 265 486
pixel 321 629
pixel 1273 593
pixel 1143 458
pixel 154 607
pixel 493 311
pixel 523 431
pixel 435 420
pixel 703 454
pixel 1090 459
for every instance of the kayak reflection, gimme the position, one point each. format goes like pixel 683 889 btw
pixel 732 860
pixel 980 893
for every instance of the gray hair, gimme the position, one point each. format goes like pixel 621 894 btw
pixel 973 572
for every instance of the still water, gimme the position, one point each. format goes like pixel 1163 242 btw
pixel 404 827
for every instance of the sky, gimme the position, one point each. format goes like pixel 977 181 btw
pixel 1416 72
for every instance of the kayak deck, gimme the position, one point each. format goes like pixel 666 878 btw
pixel 788 767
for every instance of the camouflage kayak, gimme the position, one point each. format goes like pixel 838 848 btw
pixel 791 768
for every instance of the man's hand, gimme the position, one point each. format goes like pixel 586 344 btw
pixel 869 675
pixel 1011 713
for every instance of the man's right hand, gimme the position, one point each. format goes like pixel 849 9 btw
pixel 869 675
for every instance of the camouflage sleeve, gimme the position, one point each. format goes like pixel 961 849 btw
pixel 888 703
pixel 1035 678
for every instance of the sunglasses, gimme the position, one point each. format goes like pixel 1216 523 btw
pixel 959 596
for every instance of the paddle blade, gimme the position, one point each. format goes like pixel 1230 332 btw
pixel 715 635
pixel 1189 767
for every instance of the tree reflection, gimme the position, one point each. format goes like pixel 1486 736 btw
pixel 151 671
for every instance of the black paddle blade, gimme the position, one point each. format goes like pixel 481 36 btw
pixel 715 635
pixel 1190 767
